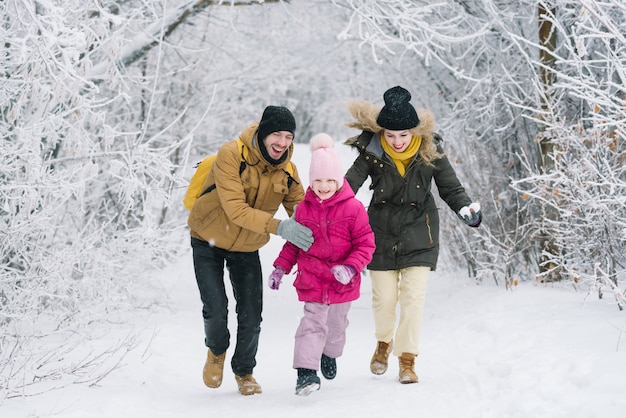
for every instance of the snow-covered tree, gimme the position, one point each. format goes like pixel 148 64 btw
pixel 581 194
pixel 87 170
pixel 105 107
pixel 526 82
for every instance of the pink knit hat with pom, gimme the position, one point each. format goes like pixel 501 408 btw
pixel 325 162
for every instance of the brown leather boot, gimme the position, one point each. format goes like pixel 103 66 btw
pixel 407 374
pixel 213 369
pixel 380 359
pixel 248 385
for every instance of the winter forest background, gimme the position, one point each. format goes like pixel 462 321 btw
pixel 106 105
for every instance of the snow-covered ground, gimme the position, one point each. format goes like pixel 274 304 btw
pixel 535 351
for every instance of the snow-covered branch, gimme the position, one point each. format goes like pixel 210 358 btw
pixel 538 103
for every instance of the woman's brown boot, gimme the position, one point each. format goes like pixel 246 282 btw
pixel 378 364
pixel 407 363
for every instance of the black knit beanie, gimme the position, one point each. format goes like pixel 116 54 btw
pixel 276 118
pixel 397 114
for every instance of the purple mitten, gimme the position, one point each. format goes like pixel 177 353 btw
pixel 343 274
pixel 275 278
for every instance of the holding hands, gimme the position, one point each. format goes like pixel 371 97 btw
pixel 297 234
pixel 471 214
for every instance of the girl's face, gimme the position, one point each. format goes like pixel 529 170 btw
pixel 398 140
pixel 324 188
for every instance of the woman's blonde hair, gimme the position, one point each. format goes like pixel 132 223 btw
pixel 365 115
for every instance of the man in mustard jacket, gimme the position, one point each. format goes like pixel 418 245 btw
pixel 228 226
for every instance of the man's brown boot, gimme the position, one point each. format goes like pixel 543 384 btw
pixel 213 369
pixel 407 374
pixel 247 385
pixel 378 364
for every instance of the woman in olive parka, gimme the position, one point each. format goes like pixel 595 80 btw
pixel 399 150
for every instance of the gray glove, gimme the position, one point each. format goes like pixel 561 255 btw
pixel 297 234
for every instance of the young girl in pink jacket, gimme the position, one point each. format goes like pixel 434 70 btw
pixel 328 278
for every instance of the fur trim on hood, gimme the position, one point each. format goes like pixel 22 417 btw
pixel 365 115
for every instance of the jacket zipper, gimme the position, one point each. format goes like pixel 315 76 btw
pixel 430 237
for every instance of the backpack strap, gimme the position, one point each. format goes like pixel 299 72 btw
pixel 290 179
pixel 208 189
pixel 243 164
pixel 244 154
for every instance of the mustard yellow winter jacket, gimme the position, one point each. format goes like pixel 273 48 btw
pixel 238 215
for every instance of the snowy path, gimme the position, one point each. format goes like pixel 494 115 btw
pixel 485 352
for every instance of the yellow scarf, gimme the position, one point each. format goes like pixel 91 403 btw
pixel 402 159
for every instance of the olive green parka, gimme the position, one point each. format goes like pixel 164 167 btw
pixel 402 210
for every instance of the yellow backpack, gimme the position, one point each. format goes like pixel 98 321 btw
pixel 194 191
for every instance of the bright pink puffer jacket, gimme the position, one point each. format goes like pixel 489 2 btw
pixel 343 236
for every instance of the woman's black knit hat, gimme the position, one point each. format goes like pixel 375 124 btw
pixel 397 114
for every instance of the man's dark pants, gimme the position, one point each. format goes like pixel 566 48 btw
pixel 247 283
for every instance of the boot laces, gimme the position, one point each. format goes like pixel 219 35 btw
pixel 382 349
pixel 219 360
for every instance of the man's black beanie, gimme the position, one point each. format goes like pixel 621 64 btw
pixel 276 118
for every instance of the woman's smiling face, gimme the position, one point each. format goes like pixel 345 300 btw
pixel 398 140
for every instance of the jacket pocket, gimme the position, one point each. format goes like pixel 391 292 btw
pixel 346 288
pixel 420 234
pixel 304 282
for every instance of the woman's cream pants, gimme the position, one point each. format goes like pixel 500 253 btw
pixel 406 287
